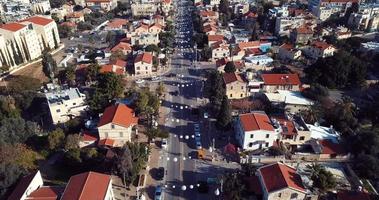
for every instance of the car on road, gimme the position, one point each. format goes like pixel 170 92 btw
pixel 206 115
pixel 197 134
pixel 164 143
pixel 158 193
pixel 197 127
pixel 140 81
pixel 198 144
pixel 155 78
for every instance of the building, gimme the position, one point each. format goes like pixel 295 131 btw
pixel 26 186
pixel 215 38
pixel 118 67
pixel 323 9
pixel 259 60
pixel 290 101
pixel 116 124
pixel 275 82
pixel 288 52
pixel 293 131
pixel 214 2
pixel 235 86
pixel 105 5
pixel 144 9
pixel 220 50
pixel 75 17
pixel 166 6
pixel 124 47
pixel 65 104
pixel 144 39
pixel 40 6
pixel 366 19
pixel 319 49
pixel 89 185
pixel 284 25
pixel 143 64
pixel 281 182
pixel 255 131
pixel 301 35
pixel 24 41
pixel 116 24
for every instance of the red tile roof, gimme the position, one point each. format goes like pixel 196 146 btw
pixel 99 1
pixel 232 77
pixel 287 46
pixel 75 15
pixel 117 22
pixel 45 193
pixel 166 1
pixel 12 26
pixel 43 21
pixel 321 45
pixel 120 63
pixel 123 46
pixel 215 37
pixel 120 70
pixel 21 187
pixel 304 30
pixel 144 57
pixel 87 136
pixel 221 62
pixel 106 142
pixel 88 185
pixel 256 121
pixel 287 126
pixel 352 195
pixel 249 45
pixel 279 176
pixel 329 147
pixel 281 79
pixel 119 114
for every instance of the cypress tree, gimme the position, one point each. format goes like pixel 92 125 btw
pixel 10 58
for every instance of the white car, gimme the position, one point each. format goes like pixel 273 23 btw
pixel 140 81
pixel 164 143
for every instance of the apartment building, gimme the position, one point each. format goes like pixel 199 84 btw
pixel 143 64
pixel 65 104
pixel 40 6
pixel 219 50
pixel 301 35
pixel 255 131
pixel 24 41
pixel 288 52
pixel 366 19
pixel 235 86
pixel 116 124
pixel 284 25
pixel 319 49
pixel 323 9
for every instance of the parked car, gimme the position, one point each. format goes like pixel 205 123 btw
pixel 164 143
pixel 140 81
pixel 160 173
pixel 158 193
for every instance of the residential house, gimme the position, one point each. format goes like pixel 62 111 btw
pixel 89 185
pixel 143 64
pixel 124 47
pixel 319 49
pixel 208 14
pixel 105 5
pixel 116 24
pixel 215 38
pixel 214 2
pixel 255 131
pixel 144 39
pixel 27 185
pixel 219 50
pixel 259 60
pixel 275 82
pixel 166 6
pixel 292 131
pixel 155 28
pixel 144 9
pixel 235 86
pixel 288 52
pixel 328 149
pixel 75 17
pixel 281 182
pixel 301 35
pixel 261 45
pixel 88 139
pixel 290 101
pixel 65 104
pixel 118 67
pixel 116 124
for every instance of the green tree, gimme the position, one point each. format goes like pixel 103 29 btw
pixel 49 65
pixel 316 92
pixel 153 133
pixel 64 31
pixel 117 55
pixel 160 89
pixel 206 53
pixel 72 158
pixel 249 169
pixel 275 151
pixel 72 141
pixel 214 89
pixel 17 130
pixel 84 26
pixel 322 179
pixel 365 142
pixel 152 48
pixel 224 117
pixel 8 108
pixel 367 166
pixel 93 70
pixel 69 74
pixel 55 139
pixel 229 67
pixel 233 187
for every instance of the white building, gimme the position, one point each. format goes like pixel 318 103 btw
pixel 255 131
pixel 260 60
pixel 65 104
pixel 367 18
pixel 284 25
pixel 291 101
pixel 319 49
pixel 144 9
pixel 27 185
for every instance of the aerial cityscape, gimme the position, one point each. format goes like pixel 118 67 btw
pixel 189 100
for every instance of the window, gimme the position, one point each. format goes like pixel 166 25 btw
pixel 266 144
pixel 231 95
pixel 241 95
pixel 58 110
pixel 74 104
pixel 241 87
pixel 267 135
pixel 294 195
pixel 121 134
pixel 280 195
pixel 250 144
pixel 112 126
pixel 231 87
pixel 302 138
pixel 252 136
